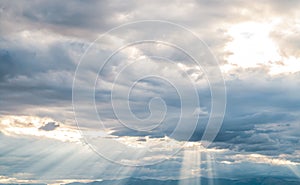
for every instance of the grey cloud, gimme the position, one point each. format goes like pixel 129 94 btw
pixel 261 117
pixel 28 62
pixel 40 76
pixel 72 18
pixel 49 126
pixel 33 74
pixel 254 100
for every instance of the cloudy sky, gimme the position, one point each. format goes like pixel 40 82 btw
pixel 163 90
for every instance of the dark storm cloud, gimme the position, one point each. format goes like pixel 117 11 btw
pixel 34 72
pixel 262 117
pixel 17 61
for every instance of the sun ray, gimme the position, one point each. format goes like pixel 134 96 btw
pixel 190 172
pixel 210 169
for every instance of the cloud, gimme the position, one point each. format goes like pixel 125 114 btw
pixel 41 45
pixel 49 126
pixel 19 126
pixel 12 180
pixel 261 114
pixel 256 158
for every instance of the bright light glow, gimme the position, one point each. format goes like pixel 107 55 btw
pixel 288 65
pixel 191 167
pixel 251 45
pixel 210 168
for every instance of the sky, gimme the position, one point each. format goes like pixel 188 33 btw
pixel 97 90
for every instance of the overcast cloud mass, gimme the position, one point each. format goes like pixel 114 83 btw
pixel 130 89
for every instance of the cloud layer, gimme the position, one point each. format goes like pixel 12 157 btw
pixel 42 42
